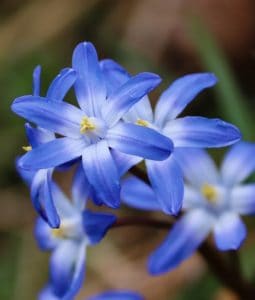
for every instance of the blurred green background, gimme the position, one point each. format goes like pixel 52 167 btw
pixel 171 38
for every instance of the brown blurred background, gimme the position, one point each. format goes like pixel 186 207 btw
pixel 172 38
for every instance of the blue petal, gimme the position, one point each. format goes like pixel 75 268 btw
pixel 180 93
pixel 37 80
pixel 115 76
pixel 67 269
pixel 97 224
pixel 43 235
pixel 122 99
pixel 124 161
pixel 80 188
pixel 137 194
pixel 89 87
pixel 167 182
pixel 37 136
pixel 229 232
pixel 117 295
pixel 239 163
pixel 102 173
pixel 62 118
pixel 140 141
pixel 197 166
pixel 201 132
pixel 63 205
pixel 243 199
pixel 185 237
pixel 68 165
pixel 61 84
pixel 48 294
pixel 52 154
pixel 26 175
pixel 42 198
pixel 95 197
pixel 193 198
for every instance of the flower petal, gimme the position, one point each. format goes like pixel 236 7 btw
pixel 192 198
pixel 97 224
pixel 179 94
pixel 124 161
pixel 61 84
pixel 115 75
pixel 140 141
pixel 243 199
pixel 63 205
pixel 37 80
pixel 52 154
pixel 122 99
pixel 239 163
pixel 229 231
pixel 89 87
pixel 117 295
pixel 43 235
pixel 167 182
pixel 47 294
pixel 81 188
pixel 26 175
pixel 197 166
pixel 43 199
pixel 37 136
pixel 67 268
pixel 62 118
pixel 201 132
pixel 102 173
pixel 137 194
pixel 184 238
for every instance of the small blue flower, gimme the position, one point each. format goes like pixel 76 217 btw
pixel 213 201
pixel 39 181
pixel 78 229
pixel 185 132
pixel 92 131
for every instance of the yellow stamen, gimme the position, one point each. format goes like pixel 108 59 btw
pixel 58 233
pixel 142 122
pixel 27 148
pixel 86 125
pixel 210 193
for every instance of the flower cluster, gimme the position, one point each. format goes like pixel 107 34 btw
pixel 113 129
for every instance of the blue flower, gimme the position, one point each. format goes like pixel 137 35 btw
pixel 213 201
pixel 185 132
pixel 78 229
pixel 39 181
pixel 90 132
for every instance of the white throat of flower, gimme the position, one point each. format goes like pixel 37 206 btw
pixel 69 229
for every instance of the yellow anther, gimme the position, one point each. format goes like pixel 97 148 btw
pixel 58 233
pixel 86 125
pixel 27 148
pixel 142 122
pixel 210 193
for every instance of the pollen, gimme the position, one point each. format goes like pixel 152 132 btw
pixel 142 122
pixel 210 193
pixel 86 125
pixel 27 148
